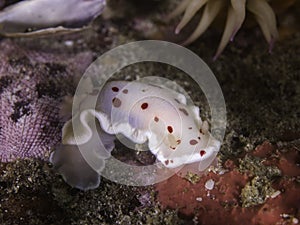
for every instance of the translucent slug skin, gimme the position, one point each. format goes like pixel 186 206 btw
pixel 142 113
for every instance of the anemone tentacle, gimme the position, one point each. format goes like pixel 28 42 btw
pixel 236 14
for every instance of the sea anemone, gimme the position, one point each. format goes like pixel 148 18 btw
pixel 262 11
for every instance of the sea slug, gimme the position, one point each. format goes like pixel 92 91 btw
pixel 142 113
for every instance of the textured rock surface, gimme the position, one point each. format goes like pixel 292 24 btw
pixel 31 87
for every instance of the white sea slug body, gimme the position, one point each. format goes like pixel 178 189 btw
pixel 141 112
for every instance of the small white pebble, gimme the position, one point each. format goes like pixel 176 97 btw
pixel 275 194
pixel 284 215
pixel 199 199
pixel 69 43
pixel 209 185
pixel 293 219
pixel 221 171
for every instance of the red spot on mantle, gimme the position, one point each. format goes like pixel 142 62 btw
pixel 116 102
pixel 170 129
pixel 115 89
pixel 144 106
pixel 202 153
pixel 193 142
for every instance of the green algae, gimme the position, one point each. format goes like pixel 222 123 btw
pixel 256 192
pixel 191 177
pixel 255 167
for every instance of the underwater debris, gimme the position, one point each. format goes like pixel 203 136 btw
pixel 42 17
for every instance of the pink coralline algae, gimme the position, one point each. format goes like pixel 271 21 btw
pixel 235 195
pixel 30 94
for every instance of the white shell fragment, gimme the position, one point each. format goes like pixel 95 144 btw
pixel 145 113
pixel 209 185
pixel 275 194
pixel 199 199
pixel 39 17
